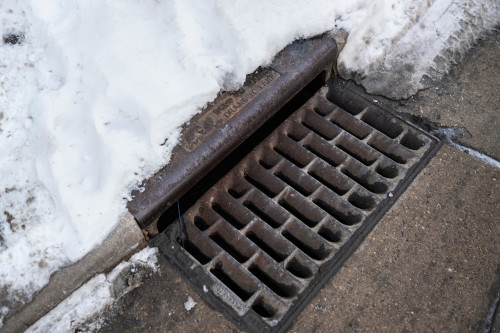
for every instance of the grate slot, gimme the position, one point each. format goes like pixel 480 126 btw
pixel 195 252
pixel 391 149
pixel 351 124
pixel 297 179
pixel 319 125
pixel 265 307
pixel 268 157
pixel 387 169
pixel 362 200
pixel 331 233
pixel 324 107
pixel 197 246
pixel 295 131
pixel 382 123
pixel 357 150
pixel 299 268
pixel 229 248
pixel 272 245
pixel 331 178
pixel 263 179
pixel 260 214
pixel 307 242
pixel 326 151
pixel 265 209
pixel 301 209
pixel 365 177
pixel 201 223
pixel 412 141
pixel 234 279
pixel 267 272
pixel 235 222
pixel 293 152
pixel 345 101
pixel 338 209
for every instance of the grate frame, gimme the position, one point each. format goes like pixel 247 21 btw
pixel 262 242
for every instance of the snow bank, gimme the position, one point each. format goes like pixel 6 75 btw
pixel 93 94
pixel 97 294
pixel 409 44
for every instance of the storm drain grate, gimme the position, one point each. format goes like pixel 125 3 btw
pixel 267 236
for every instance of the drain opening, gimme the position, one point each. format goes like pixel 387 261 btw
pixel 299 269
pixel 263 308
pixel 235 282
pixel 287 213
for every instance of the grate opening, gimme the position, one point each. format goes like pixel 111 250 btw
pixel 320 126
pixel 299 269
pixel 365 179
pixel 381 122
pixel 388 171
pixel 290 157
pixel 296 132
pixel 227 216
pixel 301 188
pixel 299 213
pixel 232 249
pixel 333 236
pixel 278 283
pixel 318 132
pixel 268 247
pixel 195 251
pixel 389 148
pixel 235 193
pixel 347 218
pixel 240 284
pixel 260 186
pixel 326 152
pixel 361 201
pixel 200 223
pixel 261 214
pixel 332 180
pixel 412 141
pixel 345 101
pixel 264 308
pixel 359 152
pixel 350 124
pixel 307 244
pixel 265 165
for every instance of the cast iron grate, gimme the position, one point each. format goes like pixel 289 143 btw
pixel 270 233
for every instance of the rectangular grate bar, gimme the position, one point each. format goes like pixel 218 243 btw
pixel 276 227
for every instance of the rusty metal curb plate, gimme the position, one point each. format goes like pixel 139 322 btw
pixel 227 122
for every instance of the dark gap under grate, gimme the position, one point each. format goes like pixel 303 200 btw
pixel 271 231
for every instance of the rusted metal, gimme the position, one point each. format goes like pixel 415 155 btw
pixel 278 225
pixel 228 121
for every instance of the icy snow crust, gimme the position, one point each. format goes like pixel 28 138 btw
pixel 92 99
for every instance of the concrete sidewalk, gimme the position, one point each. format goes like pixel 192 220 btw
pixel 431 264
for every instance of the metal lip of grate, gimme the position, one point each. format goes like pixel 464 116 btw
pixel 277 226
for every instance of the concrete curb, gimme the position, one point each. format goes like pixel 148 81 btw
pixel 126 239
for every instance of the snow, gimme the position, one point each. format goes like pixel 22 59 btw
pixel 189 304
pixel 94 296
pixel 93 97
